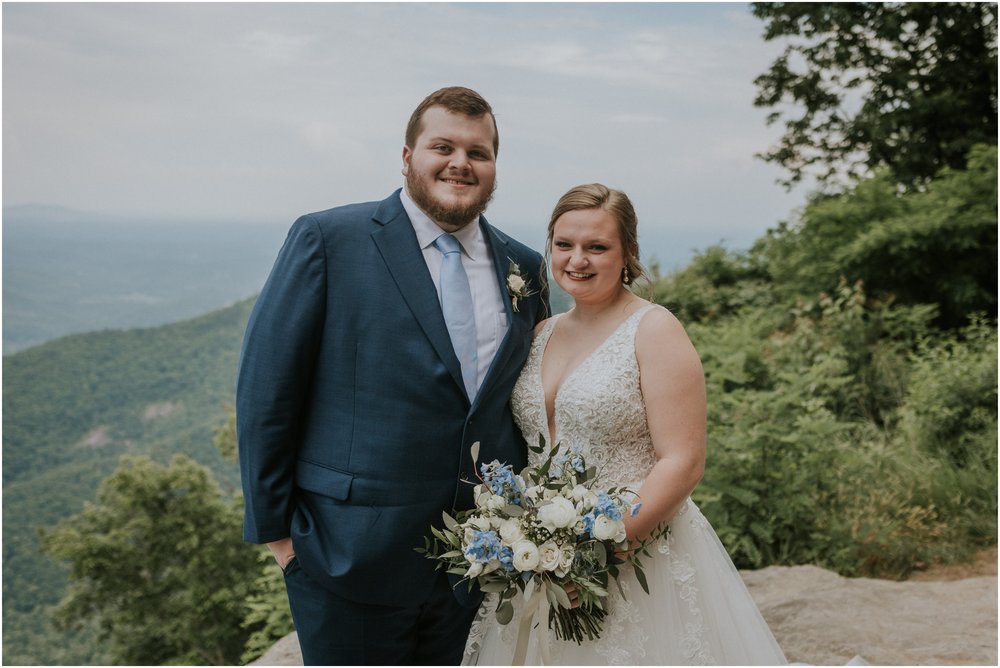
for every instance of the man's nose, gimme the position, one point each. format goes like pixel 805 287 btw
pixel 459 160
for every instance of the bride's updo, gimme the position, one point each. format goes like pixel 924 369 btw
pixel 615 202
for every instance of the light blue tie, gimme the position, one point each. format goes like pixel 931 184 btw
pixel 456 304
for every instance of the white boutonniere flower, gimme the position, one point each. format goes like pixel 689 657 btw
pixel 517 285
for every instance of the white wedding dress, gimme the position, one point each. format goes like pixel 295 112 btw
pixel 698 610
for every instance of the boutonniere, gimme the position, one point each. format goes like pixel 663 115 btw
pixel 517 285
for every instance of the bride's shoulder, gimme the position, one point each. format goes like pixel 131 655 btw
pixel 658 321
pixel 542 324
pixel 661 334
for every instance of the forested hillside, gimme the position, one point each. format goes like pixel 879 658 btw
pixel 71 408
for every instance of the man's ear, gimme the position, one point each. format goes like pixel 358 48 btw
pixel 407 153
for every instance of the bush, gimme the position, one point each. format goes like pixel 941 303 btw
pixel 843 433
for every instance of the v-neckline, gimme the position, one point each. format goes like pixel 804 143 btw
pixel 568 376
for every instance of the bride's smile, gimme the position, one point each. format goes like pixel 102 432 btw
pixel 587 255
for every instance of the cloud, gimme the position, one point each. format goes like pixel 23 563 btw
pixel 639 118
pixel 265 109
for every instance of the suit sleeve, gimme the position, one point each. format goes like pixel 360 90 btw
pixel 277 363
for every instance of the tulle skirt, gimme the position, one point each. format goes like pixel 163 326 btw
pixel 698 612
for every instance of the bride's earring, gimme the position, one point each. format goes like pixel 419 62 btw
pixel 625 277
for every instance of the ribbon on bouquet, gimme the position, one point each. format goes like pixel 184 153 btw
pixel 536 604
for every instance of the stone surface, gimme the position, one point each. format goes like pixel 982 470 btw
pixel 822 618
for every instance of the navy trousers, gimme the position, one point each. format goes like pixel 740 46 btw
pixel 335 631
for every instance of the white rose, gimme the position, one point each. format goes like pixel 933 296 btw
pixel 549 493
pixel 515 283
pixel 548 556
pixel 559 513
pixel 566 555
pixel 510 532
pixel 496 502
pixel 606 528
pixel 481 523
pixel 525 555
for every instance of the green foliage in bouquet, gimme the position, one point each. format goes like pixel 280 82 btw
pixel 541 532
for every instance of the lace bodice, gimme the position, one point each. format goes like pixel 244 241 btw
pixel 598 407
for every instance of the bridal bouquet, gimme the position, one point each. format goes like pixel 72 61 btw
pixel 537 532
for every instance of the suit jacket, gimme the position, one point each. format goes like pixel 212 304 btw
pixel 353 424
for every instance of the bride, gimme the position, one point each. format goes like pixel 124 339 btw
pixel 618 377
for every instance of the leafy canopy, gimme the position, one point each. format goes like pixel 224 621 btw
pixel 909 86
pixel 159 562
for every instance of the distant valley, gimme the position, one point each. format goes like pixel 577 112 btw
pixel 66 272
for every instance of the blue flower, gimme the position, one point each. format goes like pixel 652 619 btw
pixel 635 509
pixel 607 506
pixel 572 459
pixel 506 558
pixel 502 481
pixel 484 547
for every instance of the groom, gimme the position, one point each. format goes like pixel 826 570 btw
pixel 385 342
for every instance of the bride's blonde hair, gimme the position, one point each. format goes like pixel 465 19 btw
pixel 615 202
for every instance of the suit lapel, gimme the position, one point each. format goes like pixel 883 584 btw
pixel 499 249
pixel 397 243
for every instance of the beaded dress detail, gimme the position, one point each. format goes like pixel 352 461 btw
pixel 698 610
pixel 598 407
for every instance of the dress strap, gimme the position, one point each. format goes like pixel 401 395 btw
pixel 631 324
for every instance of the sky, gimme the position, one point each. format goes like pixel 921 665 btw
pixel 260 112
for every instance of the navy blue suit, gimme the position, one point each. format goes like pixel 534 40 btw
pixel 353 423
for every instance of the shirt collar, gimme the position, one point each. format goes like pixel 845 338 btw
pixel 427 230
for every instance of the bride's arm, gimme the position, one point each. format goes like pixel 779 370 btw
pixel 673 389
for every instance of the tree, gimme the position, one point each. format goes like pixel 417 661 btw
pixel 934 246
pixel 158 561
pixel 922 76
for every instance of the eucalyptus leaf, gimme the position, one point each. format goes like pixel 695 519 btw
pixel 602 555
pixel 505 613
pixel 494 587
pixel 450 522
pixel 562 598
pixel 474 450
pixel 641 577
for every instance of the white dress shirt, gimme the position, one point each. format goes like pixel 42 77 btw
pixel 487 298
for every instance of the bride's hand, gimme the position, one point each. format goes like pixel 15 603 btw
pixel 574 595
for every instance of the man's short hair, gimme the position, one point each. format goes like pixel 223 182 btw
pixel 458 100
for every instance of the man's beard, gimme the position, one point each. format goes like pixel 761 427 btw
pixel 452 216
